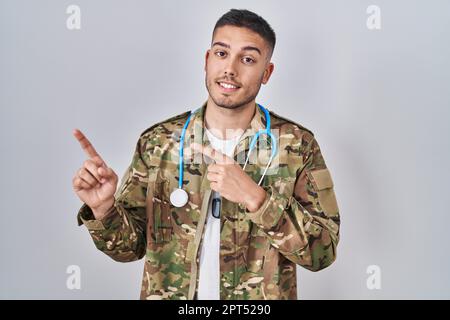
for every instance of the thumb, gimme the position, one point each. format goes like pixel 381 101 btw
pixel 106 174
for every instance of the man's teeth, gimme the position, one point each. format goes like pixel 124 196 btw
pixel 227 86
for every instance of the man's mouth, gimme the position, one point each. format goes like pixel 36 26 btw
pixel 227 87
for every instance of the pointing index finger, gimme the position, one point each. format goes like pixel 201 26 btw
pixel 86 145
pixel 213 154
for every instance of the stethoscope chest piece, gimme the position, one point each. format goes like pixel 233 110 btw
pixel 179 197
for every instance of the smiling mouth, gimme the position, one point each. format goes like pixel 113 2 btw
pixel 226 87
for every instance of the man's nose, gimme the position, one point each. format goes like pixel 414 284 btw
pixel 230 69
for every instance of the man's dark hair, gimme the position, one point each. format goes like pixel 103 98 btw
pixel 250 20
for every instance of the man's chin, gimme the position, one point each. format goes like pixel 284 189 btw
pixel 227 103
pixel 229 106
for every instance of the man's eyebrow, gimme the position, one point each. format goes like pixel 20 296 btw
pixel 246 48
pixel 251 48
pixel 218 43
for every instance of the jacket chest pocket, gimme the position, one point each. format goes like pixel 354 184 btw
pixel 160 222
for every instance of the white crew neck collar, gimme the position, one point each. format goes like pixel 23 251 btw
pixel 212 136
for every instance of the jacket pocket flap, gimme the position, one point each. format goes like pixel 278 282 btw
pixel 321 179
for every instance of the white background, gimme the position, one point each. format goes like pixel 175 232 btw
pixel 376 100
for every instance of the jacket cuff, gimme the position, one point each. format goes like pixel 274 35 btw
pixel 271 210
pixel 86 216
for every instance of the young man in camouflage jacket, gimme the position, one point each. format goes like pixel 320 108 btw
pixel 265 230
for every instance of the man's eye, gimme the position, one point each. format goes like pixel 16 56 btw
pixel 249 60
pixel 220 53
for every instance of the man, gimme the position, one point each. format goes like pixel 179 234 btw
pixel 241 232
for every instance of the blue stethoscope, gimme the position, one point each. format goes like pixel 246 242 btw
pixel 179 196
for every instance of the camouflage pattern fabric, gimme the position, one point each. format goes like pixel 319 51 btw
pixel 298 223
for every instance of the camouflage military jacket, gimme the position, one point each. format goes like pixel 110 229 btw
pixel 298 223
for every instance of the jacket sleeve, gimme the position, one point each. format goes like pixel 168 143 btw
pixel 121 234
pixel 304 227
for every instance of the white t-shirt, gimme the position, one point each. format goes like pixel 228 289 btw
pixel 209 271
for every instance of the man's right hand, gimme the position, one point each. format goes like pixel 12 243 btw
pixel 94 183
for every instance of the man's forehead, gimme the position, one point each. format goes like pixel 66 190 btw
pixel 238 37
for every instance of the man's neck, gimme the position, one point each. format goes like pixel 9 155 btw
pixel 228 123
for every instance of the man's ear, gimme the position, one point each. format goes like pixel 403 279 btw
pixel 267 73
pixel 206 57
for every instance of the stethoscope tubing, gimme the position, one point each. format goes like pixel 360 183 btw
pixel 252 145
